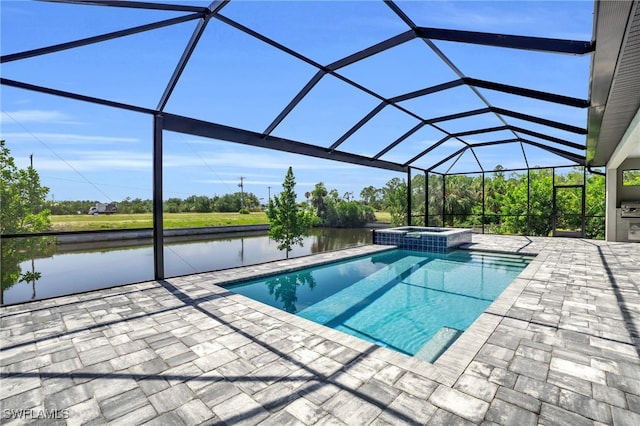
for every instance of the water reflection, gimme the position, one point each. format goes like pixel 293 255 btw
pixel 39 269
pixel 296 291
pixel 20 255
pixel 284 288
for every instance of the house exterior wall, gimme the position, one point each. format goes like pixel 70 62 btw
pixel 628 193
pixel 616 193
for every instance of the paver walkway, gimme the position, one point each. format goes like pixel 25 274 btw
pixel 560 346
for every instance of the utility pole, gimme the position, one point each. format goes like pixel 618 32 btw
pixel 269 192
pixel 241 185
pixel 31 200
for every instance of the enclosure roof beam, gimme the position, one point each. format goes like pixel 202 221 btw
pixel 524 154
pixel 185 125
pixel 580 159
pixel 428 90
pixel 392 101
pixel 529 93
pixel 458 115
pixel 473 152
pixel 358 125
pixel 372 50
pixel 519 130
pixel 400 13
pixel 479 131
pixel 539 44
pixel 518 115
pixel 485 38
pixel 99 38
pixel 491 143
pixel 304 91
pixel 538 120
pixel 444 160
pixel 549 138
pixel 295 101
pixel 264 39
pixel 399 140
pixel 322 70
pixel 75 96
pixel 314 80
pixel 428 150
pixel 490 85
pixel 188 51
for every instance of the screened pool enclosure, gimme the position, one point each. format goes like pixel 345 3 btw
pixel 470 103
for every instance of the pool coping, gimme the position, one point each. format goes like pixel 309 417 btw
pixel 448 367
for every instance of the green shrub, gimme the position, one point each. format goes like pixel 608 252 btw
pixel 347 214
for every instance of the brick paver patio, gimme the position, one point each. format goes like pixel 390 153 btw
pixel 560 346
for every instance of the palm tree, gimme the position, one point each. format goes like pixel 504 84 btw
pixel 317 200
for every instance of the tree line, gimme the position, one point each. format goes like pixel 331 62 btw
pixel 330 208
pixel 193 204
pixel 513 202
pixel 517 202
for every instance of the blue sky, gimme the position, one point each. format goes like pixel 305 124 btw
pixel 84 151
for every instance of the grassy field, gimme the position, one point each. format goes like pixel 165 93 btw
pixel 62 223
pixel 383 217
pixel 145 220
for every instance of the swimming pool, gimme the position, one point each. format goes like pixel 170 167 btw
pixel 416 303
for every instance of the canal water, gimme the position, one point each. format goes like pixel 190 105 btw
pixel 74 268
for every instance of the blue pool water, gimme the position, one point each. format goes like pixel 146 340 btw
pixel 416 303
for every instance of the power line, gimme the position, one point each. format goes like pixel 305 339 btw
pixel 207 165
pixel 112 185
pixel 58 156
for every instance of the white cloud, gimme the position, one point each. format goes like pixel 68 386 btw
pixel 96 161
pixel 35 116
pixel 250 158
pixel 67 138
pixel 223 164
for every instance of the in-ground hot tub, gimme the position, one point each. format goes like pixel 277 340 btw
pixel 439 240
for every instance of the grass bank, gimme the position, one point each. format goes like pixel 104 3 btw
pixel 66 223
pixel 87 222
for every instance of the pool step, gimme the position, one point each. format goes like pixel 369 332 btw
pixel 438 344
pixel 508 264
pixel 342 305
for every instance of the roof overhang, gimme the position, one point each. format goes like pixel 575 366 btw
pixel 615 78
